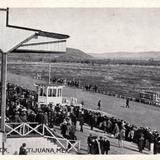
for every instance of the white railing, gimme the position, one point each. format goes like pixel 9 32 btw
pixel 69 144
pixel 26 129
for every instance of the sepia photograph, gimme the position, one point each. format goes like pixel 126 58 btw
pixel 79 81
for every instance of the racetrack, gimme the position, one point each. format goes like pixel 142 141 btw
pixel 138 113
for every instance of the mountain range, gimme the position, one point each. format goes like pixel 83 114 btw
pixel 128 55
pixel 76 54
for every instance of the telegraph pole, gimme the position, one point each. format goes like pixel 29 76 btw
pixel 49 74
pixel 3 96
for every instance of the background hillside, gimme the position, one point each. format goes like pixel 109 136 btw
pixel 70 54
pixel 128 55
pixel 76 55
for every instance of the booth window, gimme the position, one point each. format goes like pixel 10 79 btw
pixel 59 92
pixel 41 91
pixel 49 92
pixel 44 91
pixel 54 93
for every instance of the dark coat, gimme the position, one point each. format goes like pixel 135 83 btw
pixel 40 118
pixel 63 129
pixel 31 117
pixel 141 143
pixel 106 145
pixel 22 151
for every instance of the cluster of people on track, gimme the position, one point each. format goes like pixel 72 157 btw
pixel 97 89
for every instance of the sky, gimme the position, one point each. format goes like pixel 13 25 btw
pixel 93 30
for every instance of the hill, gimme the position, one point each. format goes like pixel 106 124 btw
pixel 128 55
pixel 70 54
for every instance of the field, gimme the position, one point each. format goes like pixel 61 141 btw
pixel 124 80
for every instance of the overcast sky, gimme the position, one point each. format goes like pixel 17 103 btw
pixel 96 30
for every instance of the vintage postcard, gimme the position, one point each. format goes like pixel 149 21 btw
pixel 80 80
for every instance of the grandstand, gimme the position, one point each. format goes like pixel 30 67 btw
pixel 37 41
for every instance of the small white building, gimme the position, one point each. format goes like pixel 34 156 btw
pixel 49 94
pixel 150 97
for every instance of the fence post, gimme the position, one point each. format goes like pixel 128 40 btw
pixel 23 131
pixel 67 146
pixel 79 146
pixel 43 128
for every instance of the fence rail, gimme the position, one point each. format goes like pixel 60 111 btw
pixel 26 129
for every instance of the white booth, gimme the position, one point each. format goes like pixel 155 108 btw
pixel 49 94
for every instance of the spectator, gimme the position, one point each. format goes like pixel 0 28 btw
pixel 141 143
pixel 99 105
pixel 156 144
pixel 121 138
pixel 22 150
pixel 31 117
pixel 17 118
pixel 96 146
pixel 81 122
pixel 73 119
pixel 40 118
pixel 92 121
pixel 89 142
pixel 102 145
pixel 63 127
pixel 106 146
pixel 127 103
pixel 46 118
pixel 116 130
pixel 131 135
pixel 23 116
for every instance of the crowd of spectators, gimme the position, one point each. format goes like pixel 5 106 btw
pixel 22 107
pixel 120 129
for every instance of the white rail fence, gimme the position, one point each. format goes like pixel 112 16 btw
pixel 28 129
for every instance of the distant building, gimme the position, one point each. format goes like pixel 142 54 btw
pixel 150 97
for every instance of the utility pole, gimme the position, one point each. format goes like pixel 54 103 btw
pixel 49 74
pixel 3 96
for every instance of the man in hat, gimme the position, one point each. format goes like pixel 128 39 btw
pixel 101 143
pixel 22 150
pixel 17 117
pixel 141 143
pixel 106 145
pixel 99 104
pixel 127 103
pixel 89 141
pixel 63 127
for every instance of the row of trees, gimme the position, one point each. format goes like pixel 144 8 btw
pixel 149 62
